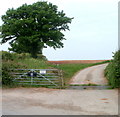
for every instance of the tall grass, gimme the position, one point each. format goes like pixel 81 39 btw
pixel 32 63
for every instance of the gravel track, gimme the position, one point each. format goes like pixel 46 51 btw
pixel 91 75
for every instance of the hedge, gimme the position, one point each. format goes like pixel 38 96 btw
pixel 112 71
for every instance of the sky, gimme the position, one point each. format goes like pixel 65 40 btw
pixel 93 32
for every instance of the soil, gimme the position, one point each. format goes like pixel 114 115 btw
pixel 76 61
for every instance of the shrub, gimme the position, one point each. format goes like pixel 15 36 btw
pixel 40 56
pixel 6 77
pixel 8 63
pixel 14 56
pixel 7 66
pixel 22 55
pixel 7 56
pixel 112 71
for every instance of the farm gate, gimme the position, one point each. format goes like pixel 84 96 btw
pixel 41 77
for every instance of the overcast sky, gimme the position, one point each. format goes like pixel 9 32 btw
pixel 93 32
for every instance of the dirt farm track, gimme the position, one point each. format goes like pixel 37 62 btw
pixel 76 61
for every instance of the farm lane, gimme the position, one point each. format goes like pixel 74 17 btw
pixel 91 75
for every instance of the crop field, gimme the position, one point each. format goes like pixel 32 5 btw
pixel 76 61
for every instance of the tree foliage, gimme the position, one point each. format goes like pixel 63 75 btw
pixel 0 28
pixel 30 28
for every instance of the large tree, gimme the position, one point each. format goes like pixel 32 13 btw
pixel 30 28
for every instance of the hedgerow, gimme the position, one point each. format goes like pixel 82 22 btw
pixel 112 71
pixel 8 64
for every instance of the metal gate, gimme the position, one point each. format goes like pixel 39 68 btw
pixel 42 77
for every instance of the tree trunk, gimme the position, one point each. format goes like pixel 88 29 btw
pixel 33 55
pixel 35 51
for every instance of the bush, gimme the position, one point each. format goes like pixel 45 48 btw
pixel 40 56
pixel 112 71
pixel 7 66
pixel 14 56
pixel 9 63
pixel 21 56
pixel 7 56
pixel 6 77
